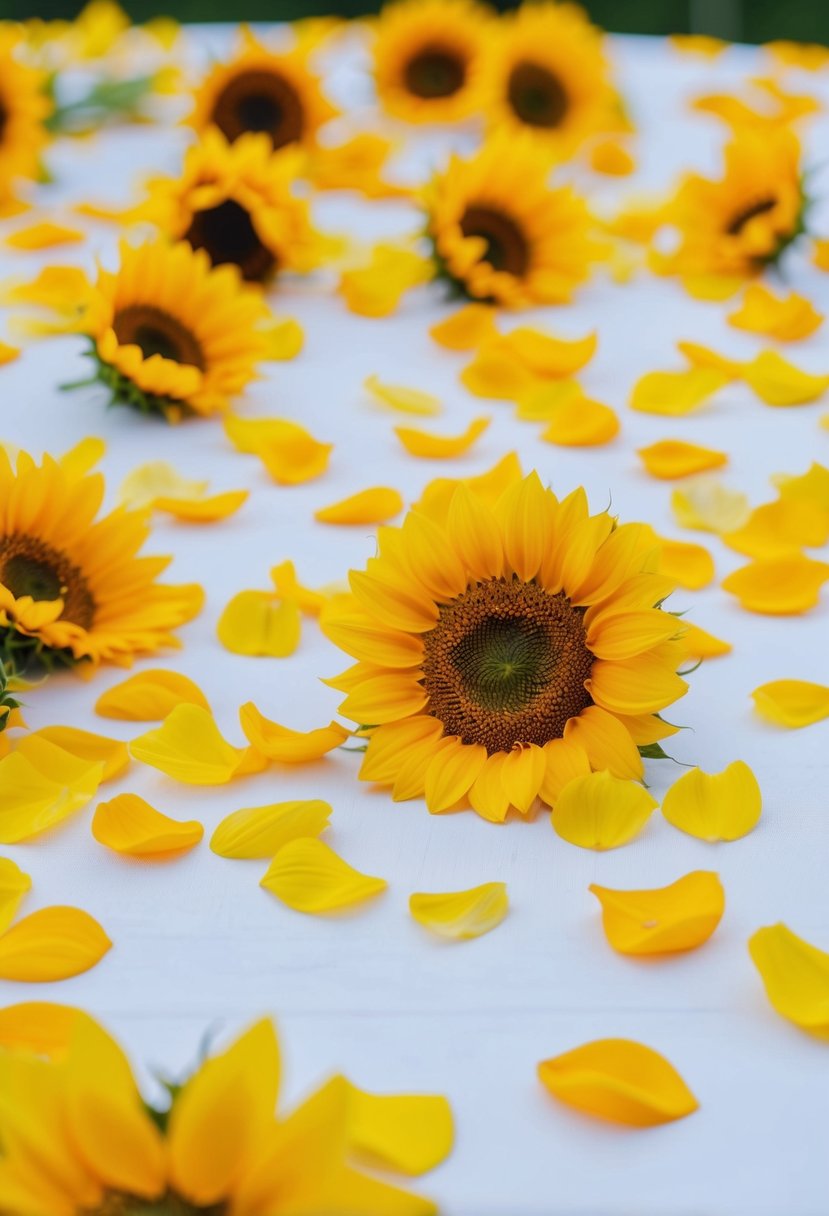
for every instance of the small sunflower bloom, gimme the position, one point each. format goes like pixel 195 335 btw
pixel 24 110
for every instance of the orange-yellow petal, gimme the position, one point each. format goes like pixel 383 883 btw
pixel 407 1133
pixel 149 696
pixel 130 826
pixel 781 586
pixel 85 745
pixel 374 506
pixel 673 458
pixel 288 746
pixel 676 393
pixel 45 235
pixel 580 422
pixel 467 328
pixel 399 397
pixel 52 944
pixel 778 382
pixel 665 919
pixel 787 320
pixel 14 886
pixel 428 446
pixel 700 644
pixel 718 806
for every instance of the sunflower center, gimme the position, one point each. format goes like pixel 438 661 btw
pixel 744 217
pixel 169 1205
pixel 260 101
pixel 4 118
pixel 435 72
pixel 227 233
pixel 30 567
pixel 156 332
pixel 506 246
pixel 506 664
pixel 537 96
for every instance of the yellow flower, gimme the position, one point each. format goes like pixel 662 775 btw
pixel 24 108
pixel 79 1140
pixel 745 220
pixel 259 90
pixel 505 645
pixel 239 203
pixel 501 233
pixel 548 75
pixel 428 58
pixel 171 334
pixel 73 587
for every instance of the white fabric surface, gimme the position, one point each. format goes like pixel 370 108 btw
pixel 198 944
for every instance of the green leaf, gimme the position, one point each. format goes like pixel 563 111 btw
pixel 653 751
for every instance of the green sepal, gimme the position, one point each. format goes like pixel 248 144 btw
pixel 653 751
pixel 124 391
pixel 106 100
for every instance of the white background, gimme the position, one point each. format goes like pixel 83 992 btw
pixel 199 945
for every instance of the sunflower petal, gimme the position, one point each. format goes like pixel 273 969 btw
pixel 288 746
pixel 402 399
pixel 778 382
pixel 467 328
pixel 700 644
pixel 130 826
pixel 719 806
pixel 795 975
pixel 792 703
pixel 676 393
pixel 674 458
pixel 261 831
pixel 710 506
pixel 86 745
pixel 408 1133
pixel 495 373
pixel 679 917
pixel 428 446
pixel 581 423
pixel 189 747
pixel 787 320
pixel 255 623
pixel 450 776
pixel 14 885
pixel 460 915
pixel 40 786
pixel 310 877
pixel 373 506
pixel 600 811
pixel 779 586
pixel 52 944
pixel 548 356
pixel 149 696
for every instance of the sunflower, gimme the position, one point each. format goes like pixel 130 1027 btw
pixel 501 233
pixel 78 1139
pixel 172 334
pixel 428 58
pixel 548 75
pixel 24 109
pixel 238 202
pixel 505 646
pixel 745 220
pixel 72 587
pixel 260 91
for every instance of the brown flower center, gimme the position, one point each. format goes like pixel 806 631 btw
pixel 30 567
pixel 260 101
pixel 537 96
pixel 170 1205
pixel 4 118
pixel 227 233
pixel 435 71
pixel 761 207
pixel 506 664
pixel 156 332
pixel 506 246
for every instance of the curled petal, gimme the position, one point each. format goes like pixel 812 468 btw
pixel 666 919
pixel 676 393
pixel 792 703
pixel 673 458
pixel 795 975
pixel 373 506
pixel 718 806
pixel 428 446
pixel 467 328
pixel 130 826
pixel 85 745
pixel 581 422
pixel 14 885
pixel 778 382
pixel 149 696
pixel 288 746
pixel 310 877
pixel 189 747
pixel 460 915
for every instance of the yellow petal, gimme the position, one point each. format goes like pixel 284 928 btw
pixel 404 400
pixel 43 236
pixel 85 745
pixel 255 623
pixel 548 356
pixel 8 353
pixel 690 566
pixel 782 586
pixel 612 158
pixel 599 811
pixel 189 747
pixel 548 398
pixel 710 506
pixel 795 975
pixel 811 486
pixel 285 340
pixel 52 944
pixel 288 587
pixel 14 885
pixel 581 422
pixel 429 446
pixel 288 746
pixel 207 510
pixel 700 356
pixel 407 1133
pixel 715 806
pixel 129 825
pixel 679 917
pixel 496 373
pixel 466 329
pixel 39 1028
pixel 157 479
pixel 289 452
pixel 374 506
pixel 700 644
pixel 671 458
pixel 676 393
pixel 780 528
pixel 792 703
pixel 149 696
pixel 778 382
pixel 310 877
pixel 787 320
pixel 40 786
pixel 712 286
pixel 460 915
pixel 619 1080
pixel 261 831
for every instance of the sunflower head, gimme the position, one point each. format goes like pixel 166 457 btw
pixel 428 58
pixel 276 95
pixel 173 335
pixel 500 233
pixel 73 587
pixel 506 642
pixel 24 110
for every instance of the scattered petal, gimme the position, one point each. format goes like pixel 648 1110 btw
pixel 673 458
pixel 157 479
pixel 408 1133
pixel 261 831
pixel 288 746
pixel 496 373
pixel 256 623
pixel 288 587
pixel 40 786
pixel 113 754
pixel 795 975
pixel 52 944
pixel 43 236
pixel 700 356
pixel 288 451
pixel 787 320
pixel 8 353
pixel 14 885
pixel 542 354
pixel 149 696
pixel 373 506
pixel 599 811
pixel 189 747
pixel 710 506
pixel 285 339
pixel 429 446
pixel 676 393
pixel 130 826
pixel 460 915
pixel 611 158
pixel 778 382
pixel 715 806
pixel 687 565
pixel 782 586
pixel 582 423
pixel 310 877
pixel 466 329
pixel 404 400
pixel 700 644
pixel 207 510
pixel 665 919
pixel 780 528
pixel 792 703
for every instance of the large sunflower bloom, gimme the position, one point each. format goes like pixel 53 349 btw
pixel 74 587
pixel 503 649
pixel 24 108
pixel 173 334
pixel 78 1139
pixel 548 75
pixel 501 233
pixel 261 91
pixel 428 58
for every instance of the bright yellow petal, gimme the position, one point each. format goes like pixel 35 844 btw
pixel 710 506
pixel 288 587
pixel 606 741
pixel 780 528
pixel 261 831
pixel 207 510
pixel 712 286
pixel 14 885
pixel 149 696
pixel 40 786
pixel 782 586
pixel 700 644
pixel 453 772
pixel 157 479
pixel 672 458
pixel 289 452
pixel 687 565
pixel 402 399
pixel 778 382
pixel 8 353
pixel 130 826
pixel 548 356
pixel 619 1080
pixel 660 921
pixel 285 340
pixel 582 423
pixel 460 915
pixel 611 158
pixel 792 703
pixel 600 811
pixel 52 944
pixel 466 329
pixel 496 373
pixel 45 235
pixel 795 975
pixel 85 745
pixel 310 877
pixel 374 506
pixel 407 1133
pixel 255 623
pixel 189 747
pixel 676 393
pixel 288 746
pixel 788 320
pixel 718 806
pixel 428 446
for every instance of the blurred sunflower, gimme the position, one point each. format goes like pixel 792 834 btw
pixel 172 334
pixel 238 202
pixel 548 75
pixel 74 587
pixel 428 58
pixel 78 1139
pixel 24 109
pixel 504 646
pixel 261 91
pixel 501 233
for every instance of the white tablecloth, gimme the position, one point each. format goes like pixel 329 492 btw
pixel 199 945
